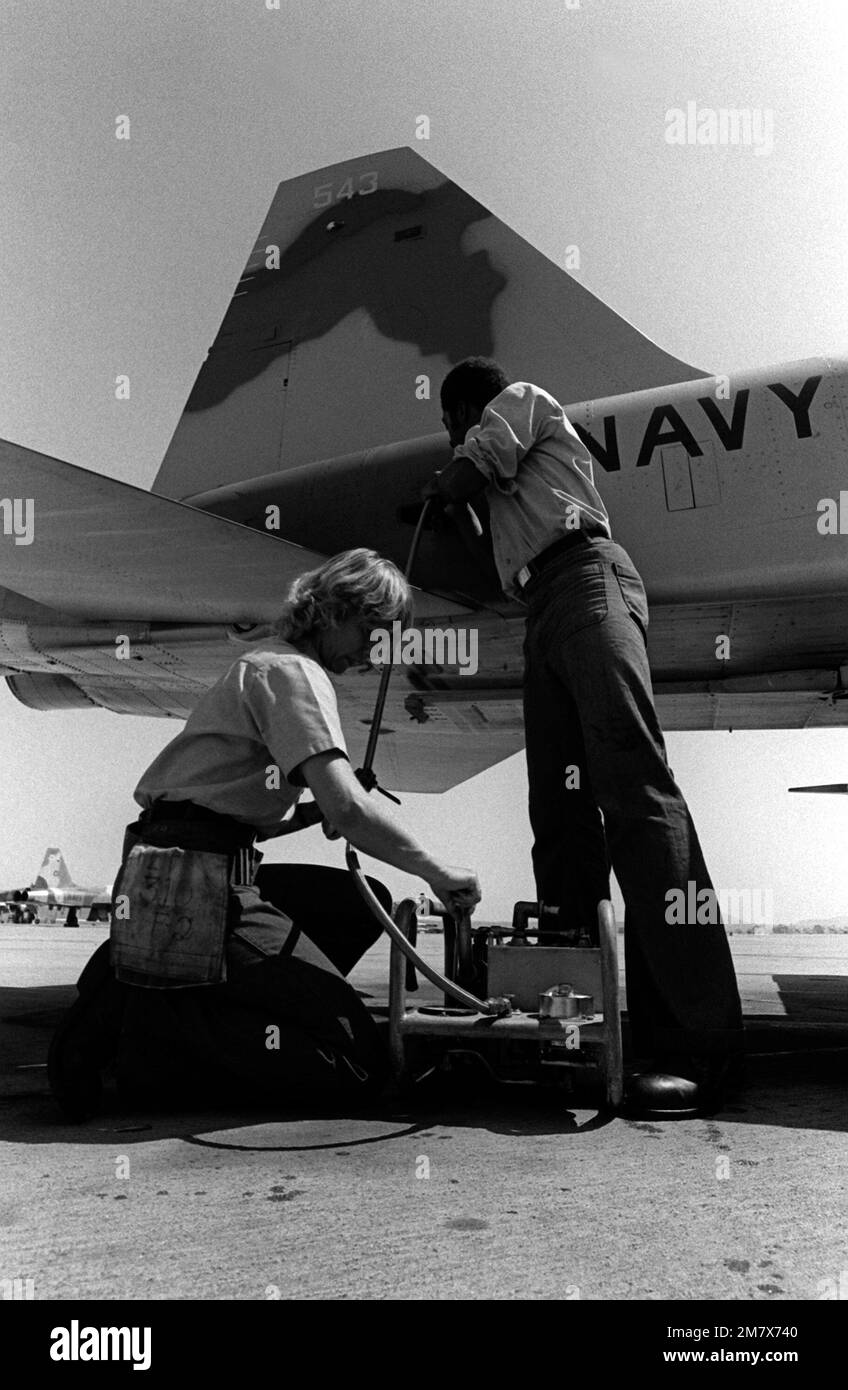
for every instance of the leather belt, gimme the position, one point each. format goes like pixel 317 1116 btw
pixel 244 859
pixel 534 567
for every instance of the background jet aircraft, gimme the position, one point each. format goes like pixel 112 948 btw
pixel 312 426
pixel 54 887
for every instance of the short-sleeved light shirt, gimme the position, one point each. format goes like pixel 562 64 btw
pixel 274 708
pixel 540 477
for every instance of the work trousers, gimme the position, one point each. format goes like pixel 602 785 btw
pixel 601 792
pixel 284 1026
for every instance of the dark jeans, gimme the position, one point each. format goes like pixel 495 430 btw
pixel 601 791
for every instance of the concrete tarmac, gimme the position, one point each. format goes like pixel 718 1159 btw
pixel 461 1191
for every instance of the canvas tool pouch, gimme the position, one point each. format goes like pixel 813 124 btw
pixel 169 918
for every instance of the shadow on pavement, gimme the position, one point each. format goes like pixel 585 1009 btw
pixel 814 999
pixel 796 1080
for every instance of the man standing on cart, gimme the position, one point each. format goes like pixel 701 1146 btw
pixel 600 788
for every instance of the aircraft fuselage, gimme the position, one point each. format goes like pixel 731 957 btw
pixel 717 487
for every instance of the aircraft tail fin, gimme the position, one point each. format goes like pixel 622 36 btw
pixel 53 872
pixel 368 280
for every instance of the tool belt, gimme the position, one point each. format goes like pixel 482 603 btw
pixel 210 830
pixel 171 902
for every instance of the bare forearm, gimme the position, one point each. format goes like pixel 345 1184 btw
pixel 350 812
pixel 369 829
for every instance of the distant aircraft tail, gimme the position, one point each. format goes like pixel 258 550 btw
pixel 53 872
pixel 368 281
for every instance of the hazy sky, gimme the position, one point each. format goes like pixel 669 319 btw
pixel 120 257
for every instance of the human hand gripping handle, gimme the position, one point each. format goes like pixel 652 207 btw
pixel 457 889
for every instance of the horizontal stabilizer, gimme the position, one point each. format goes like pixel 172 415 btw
pixel 90 546
pixel 103 549
pixel 825 787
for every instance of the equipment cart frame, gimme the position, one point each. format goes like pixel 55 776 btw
pixel 542 1047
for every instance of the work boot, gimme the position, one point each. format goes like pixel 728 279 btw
pixel 682 1087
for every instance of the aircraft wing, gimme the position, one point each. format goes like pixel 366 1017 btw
pixel 109 559
pixel 105 559
pixel 104 550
